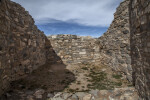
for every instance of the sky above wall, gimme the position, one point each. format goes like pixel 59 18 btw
pixel 80 17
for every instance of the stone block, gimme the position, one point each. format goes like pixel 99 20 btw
pixel 1 71
pixel 82 53
pixel 148 44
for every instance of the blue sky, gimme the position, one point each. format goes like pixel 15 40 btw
pixel 80 17
pixel 72 28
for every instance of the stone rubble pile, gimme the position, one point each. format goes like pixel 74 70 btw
pixel 40 94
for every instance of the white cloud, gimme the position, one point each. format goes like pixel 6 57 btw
pixel 86 12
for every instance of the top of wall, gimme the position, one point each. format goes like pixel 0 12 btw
pixel 69 36
pixel 75 49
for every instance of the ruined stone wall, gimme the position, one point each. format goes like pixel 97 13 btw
pixel 23 47
pixel 115 45
pixel 140 45
pixel 75 49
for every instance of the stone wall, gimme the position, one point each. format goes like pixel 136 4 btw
pixel 23 47
pixel 115 45
pixel 111 49
pixel 140 45
pixel 75 49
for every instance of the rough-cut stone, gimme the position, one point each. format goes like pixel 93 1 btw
pixel 115 43
pixel 116 94
pixel 87 97
pixel 23 47
pixel 111 49
pixel 140 46
pixel 75 49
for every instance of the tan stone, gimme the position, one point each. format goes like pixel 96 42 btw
pixel 87 97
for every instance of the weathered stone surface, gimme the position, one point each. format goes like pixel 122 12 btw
pixel 115 43
pixel 111 49
pixel 116 94
pixel 87 97
pixel 75 49
pixel 38 94
pixel 23 47
pixel 140 49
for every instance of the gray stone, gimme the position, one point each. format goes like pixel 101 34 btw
pixel 87 97
pixel 94 92
pixel 80 94
pixel 75 97
pixel 49 95
pixel 38 94
pixel 66 95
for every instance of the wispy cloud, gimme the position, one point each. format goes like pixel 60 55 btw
pixel 84 12
pixel 71 28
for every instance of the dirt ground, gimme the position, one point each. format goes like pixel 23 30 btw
pixel 50 77
pixel 90 76
pixel 58 77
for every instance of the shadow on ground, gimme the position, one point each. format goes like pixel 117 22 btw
pixel 52 77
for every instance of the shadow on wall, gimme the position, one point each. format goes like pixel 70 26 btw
pixel 140 46
pixel 52 77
